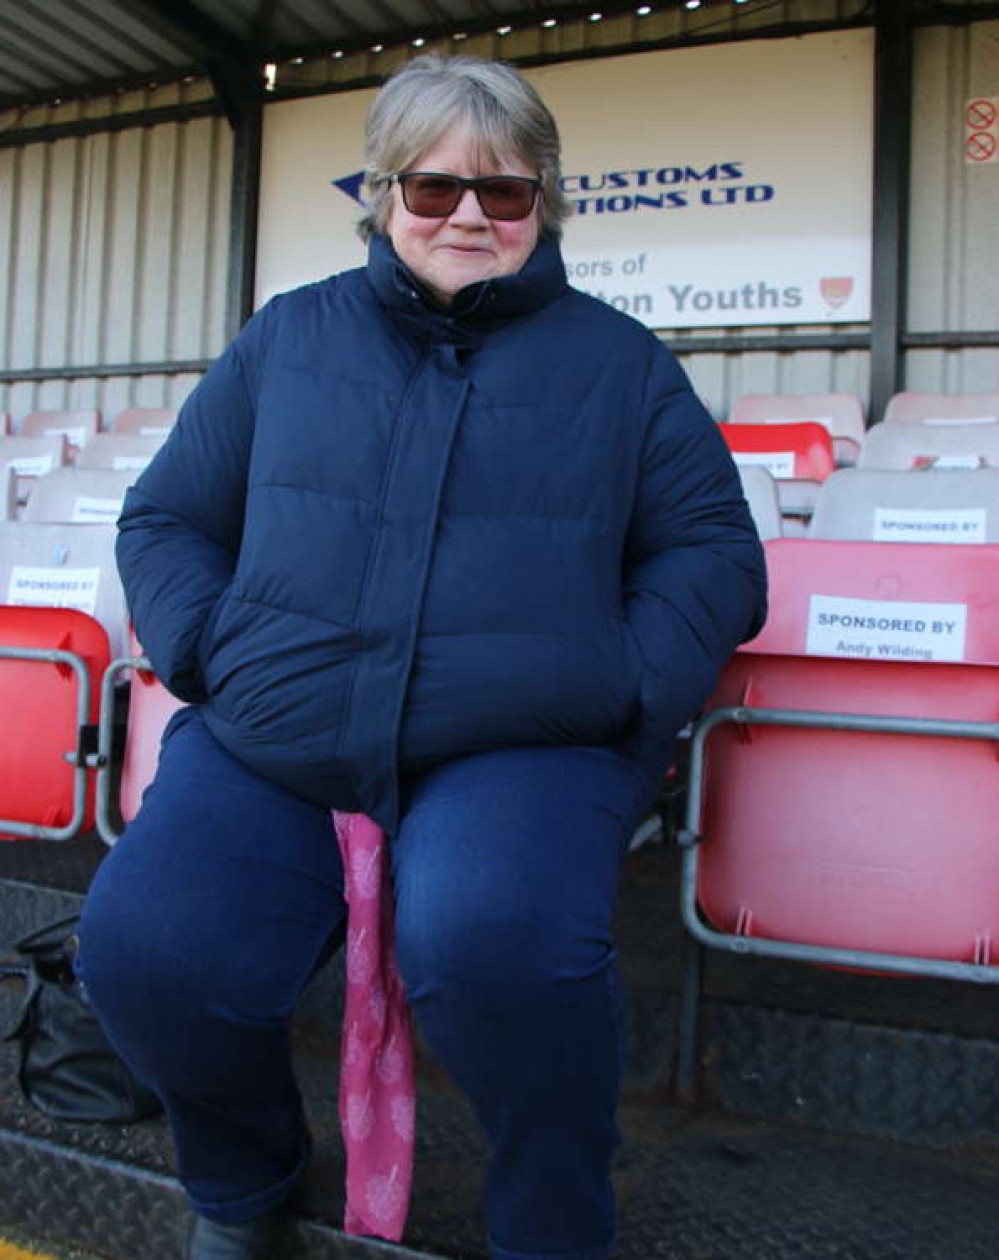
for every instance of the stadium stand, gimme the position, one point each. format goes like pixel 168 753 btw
pixel 911 407
pixel 31 458
pixel 145 421
pixel 77 426
pixel 78 496
pixel 120 451
pixel 841 413
pixel 874 505
pixel 930 447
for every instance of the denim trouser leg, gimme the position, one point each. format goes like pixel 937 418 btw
pixel 207 919
pixel 202 927
pixel 506 870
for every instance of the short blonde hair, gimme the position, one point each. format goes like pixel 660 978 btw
pixel 431 94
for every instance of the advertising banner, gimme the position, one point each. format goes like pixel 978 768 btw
pixel 719 186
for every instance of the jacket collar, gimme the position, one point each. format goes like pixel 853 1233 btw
pixel 477 307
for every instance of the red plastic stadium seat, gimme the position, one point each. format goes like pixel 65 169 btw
pixel 150 707
pixel 841 413
pixel 45 706
pixel 874 832
pixel 788 451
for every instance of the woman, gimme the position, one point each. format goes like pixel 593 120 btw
pixel 443 542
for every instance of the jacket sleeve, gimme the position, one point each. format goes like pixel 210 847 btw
pixel 695 579
pixel 182 521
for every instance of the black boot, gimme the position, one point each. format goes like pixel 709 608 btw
pixel 249 1240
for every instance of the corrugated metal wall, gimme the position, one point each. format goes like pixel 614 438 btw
pixel 954 256
pixel 113 250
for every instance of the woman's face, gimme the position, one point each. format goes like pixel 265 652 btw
pixel 446 254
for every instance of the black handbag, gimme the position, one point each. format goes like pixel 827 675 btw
pixel 67 1068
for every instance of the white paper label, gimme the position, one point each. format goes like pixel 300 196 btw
pixel 935 463
pixel 881 629
pixel 146 431
pixel 825 421
pixel 30 465
pixel 130 463
pixel 779 464
pixel 89 511
pixel 54 587
pixel 926 525
pixel 946 421
pixel 75 437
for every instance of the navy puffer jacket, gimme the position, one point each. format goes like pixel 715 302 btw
pixel 381 536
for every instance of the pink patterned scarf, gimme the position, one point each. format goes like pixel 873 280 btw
pixel 377 1099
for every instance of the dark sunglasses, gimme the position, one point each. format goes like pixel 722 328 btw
pixel 431 196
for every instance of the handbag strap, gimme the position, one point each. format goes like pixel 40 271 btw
pixel 45 939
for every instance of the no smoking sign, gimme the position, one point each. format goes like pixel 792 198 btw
pixel 981 130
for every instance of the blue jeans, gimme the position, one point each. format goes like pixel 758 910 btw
pixel 210 915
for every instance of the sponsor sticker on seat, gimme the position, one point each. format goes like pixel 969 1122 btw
pixel 779 464
pixel 880 629
pixel 54 587
pixel 929 525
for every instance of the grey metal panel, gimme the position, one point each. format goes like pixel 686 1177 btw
pixel 954 229
pixel 973 371
pixel 721 378
pixel 113 250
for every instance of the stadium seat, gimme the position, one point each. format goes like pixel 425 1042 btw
pixel 874 505
pixel 31 458
pixel 122 452
pixel 79 496
pixel 51 664
pixel 798 456
pixel 822 818
pixel 942 409
pixel 77 426
pixel 842 414
pixel 8 493
pixel 145 421
pixel 760 490
pixel 930 447
pixel 64 566
pixel 150 706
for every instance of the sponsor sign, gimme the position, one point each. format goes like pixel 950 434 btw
pixel 54 587
pixel 150 431
pixel 90 511
pixel 30 465
pixel 878 629
pixel 929 525
pixel 130 463
pixel 752 209
pixel 949 421
pixel 779 464
pixel 75 436
pixel 944 463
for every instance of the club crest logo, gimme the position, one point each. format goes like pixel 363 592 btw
pixel 836 290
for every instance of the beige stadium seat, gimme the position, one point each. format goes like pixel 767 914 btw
pixel 124 452
pixel 841 413
pixel 145 421
pixel 942 409
pixel 65 566
pixel 936 448
pixel 860 504
pixel 31 458
pixel 760 489
pixel 77 426
pixel 79 496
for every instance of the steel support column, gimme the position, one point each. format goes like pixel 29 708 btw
pixel 892 137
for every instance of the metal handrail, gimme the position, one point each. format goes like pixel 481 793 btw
pixel 106 828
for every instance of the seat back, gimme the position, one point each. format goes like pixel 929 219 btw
pixel 46 703
pixel 841 413
pixel 879 506
pixel 64 566
pixel 760 490
pixel 31 458
pixel 121 452
pixel 78 427
pixel 933 448
pixel 942 410
pixel 799 451
pixel 145 421
pixel 79 496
